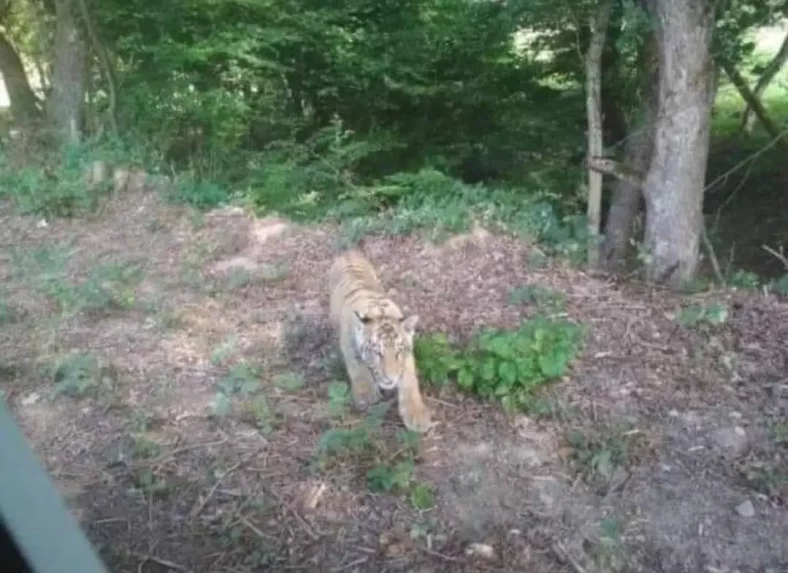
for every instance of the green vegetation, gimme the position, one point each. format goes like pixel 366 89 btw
pixel 500 365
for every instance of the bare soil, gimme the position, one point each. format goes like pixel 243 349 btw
pixel 693 419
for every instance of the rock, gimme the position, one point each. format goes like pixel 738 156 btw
pixel 480 550
pixel 746 509
pixel 732 440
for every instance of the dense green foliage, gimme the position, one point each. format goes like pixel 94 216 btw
pixel 502 365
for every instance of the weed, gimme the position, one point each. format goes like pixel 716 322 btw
pixel 242 380
pixel 289 381
pixel 699 315
pixel 608 553
pixel 600 450
pixel 239 278
pixel 78 375
pixel 223 352
pixel 780 286
pixel 537 295
pixel 502 365
pixel 743 280
pixel 260 412
pixel 7 313
pixel 149 483
pixel 339 399
pixel 275 272
pixel 422 496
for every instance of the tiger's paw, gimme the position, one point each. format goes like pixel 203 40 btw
pixel 416 416
pixel 366 397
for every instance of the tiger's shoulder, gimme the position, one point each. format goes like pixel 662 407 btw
pixel 355 286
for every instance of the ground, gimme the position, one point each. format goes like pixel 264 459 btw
pixel 173 371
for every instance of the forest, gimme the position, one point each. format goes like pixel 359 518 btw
pixel 583 200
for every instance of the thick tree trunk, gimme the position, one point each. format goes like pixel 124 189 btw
pixel 639 147
pixel 673 188
pixel 599 25
pixel 769 73
pixel 24 104
pixel 65 107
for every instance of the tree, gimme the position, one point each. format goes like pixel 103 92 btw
pixel 638 150
pixel 65 106
pixel 673 187
pixel 598 24
pixel 24 104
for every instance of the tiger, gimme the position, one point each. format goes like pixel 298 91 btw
pixel 375 339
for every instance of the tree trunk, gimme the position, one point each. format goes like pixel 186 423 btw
pixel 769 73
pixel 673 188
pixel 66 101
pixel 24 104
pixel 639 147
pixel 599 24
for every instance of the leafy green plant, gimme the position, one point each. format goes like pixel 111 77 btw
pixel 744 280
pixel 600 450
pixel 714 314
pixel 780 286
pixel 502 365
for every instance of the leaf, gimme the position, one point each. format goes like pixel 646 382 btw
pixel 421 497
pixel 465 378
pixel 507 372
pixel 221 404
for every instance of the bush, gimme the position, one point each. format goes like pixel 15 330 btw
pixel 502 365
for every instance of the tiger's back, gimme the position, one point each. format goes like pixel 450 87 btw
pixel 375 339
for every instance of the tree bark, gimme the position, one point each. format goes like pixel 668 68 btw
pixel 771 128
pixel 769 73
pixel 24 103
pixel 638 149
pixel 65 108
pixel 673 188
pixel 599 24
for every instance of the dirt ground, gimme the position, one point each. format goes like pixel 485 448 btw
pixel 665 449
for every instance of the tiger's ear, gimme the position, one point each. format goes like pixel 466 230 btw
pixel 365 318
pixel 409 325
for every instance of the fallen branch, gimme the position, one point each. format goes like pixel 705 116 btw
pixel 778 255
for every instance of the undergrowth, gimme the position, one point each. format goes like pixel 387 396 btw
pixel 506 366
pixel 388 467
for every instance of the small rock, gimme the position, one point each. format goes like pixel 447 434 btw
pixel 746 509
pixel 734 440
pixel 30 399
pixel 480 550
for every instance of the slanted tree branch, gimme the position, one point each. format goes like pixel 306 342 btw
pixel 754 103
pixel 769 73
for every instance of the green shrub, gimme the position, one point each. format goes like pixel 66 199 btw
pixel 502 365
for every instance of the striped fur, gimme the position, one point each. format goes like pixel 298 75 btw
pixel 375 339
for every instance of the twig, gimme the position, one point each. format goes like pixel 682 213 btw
pixel 441 402
pixel 298 516
pixel 779 255
pixel 160 561
pixel 743 162
pixel 171 454
pixel 198 508
pixel 351 564
pixel 715 263
pixel 256 530
pixel 564 556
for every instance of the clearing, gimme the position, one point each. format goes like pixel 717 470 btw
pixel 174 373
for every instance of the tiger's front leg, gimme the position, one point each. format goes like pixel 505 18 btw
pixel 365 391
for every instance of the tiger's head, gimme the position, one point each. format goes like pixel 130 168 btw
pixel 384 342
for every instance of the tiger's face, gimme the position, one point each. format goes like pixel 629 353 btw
pixel 384 344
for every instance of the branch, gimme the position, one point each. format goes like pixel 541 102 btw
pixel 770 71
pixel 620 171
pixel 106 65
pixel 753 101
